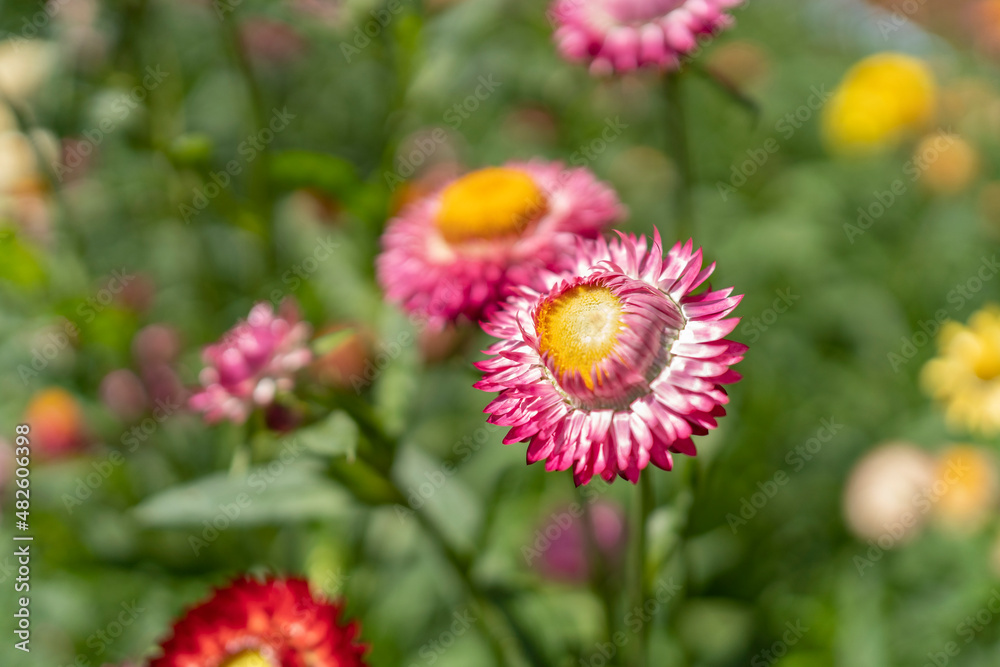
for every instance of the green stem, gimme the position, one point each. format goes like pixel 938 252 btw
pixel 678 144
pixel 636 570
pixel 731 91
pixel 260 179
pixel 600 573
pixel 243 452
pixel 500 625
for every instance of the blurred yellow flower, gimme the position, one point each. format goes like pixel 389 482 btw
pixel 880 101
pixel 965 376
pixel 949 163
pixel 970 489
pixel 25 65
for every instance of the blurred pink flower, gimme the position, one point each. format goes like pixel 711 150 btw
pixel 123 394
pixel 624 35
pixel 271 42
pixel 156 344
pixel 613 365
pixel 253 362
pixel 453 254
pixel 155 349
pixel 562 541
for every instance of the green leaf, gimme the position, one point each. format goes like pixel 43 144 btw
pixel 271 494
pixel 337 435
pixel 331 341
pixel 305 169
pixel 19 263
pixel 191 149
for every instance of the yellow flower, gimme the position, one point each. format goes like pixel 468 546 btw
pixel 948 163
pixel 882 100
pixel 969 479
pixel 965 376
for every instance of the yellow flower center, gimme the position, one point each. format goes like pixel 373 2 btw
pixel 246 659
pixel 489 203
pixel 579 328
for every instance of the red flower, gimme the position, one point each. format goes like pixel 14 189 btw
pixel 274 623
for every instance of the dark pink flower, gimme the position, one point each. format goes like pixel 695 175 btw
pixel 453 254
pixel 614 364
pixel 252 363
pixel 624 35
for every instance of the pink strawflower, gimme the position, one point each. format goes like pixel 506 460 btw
pixel 454 253
pixel 614 364
pixel 624 35
pixel 256 359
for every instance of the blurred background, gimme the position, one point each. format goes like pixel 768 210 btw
pixel 164 165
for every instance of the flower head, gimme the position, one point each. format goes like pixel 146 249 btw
pixel 613 364
pixel 968 477
pixel 57 422
pixel 882 99
pixel 950 163
pixel 624 35
pixel 453 254
pixel 890 483
pixel 274 623
pixel 254 360
pixel 965 376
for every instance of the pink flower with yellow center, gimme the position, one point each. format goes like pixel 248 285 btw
pixel 253 362
pixel 455 253
pixel 614 364
pixel 624 35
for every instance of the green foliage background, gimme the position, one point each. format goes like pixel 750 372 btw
pixel 825 358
